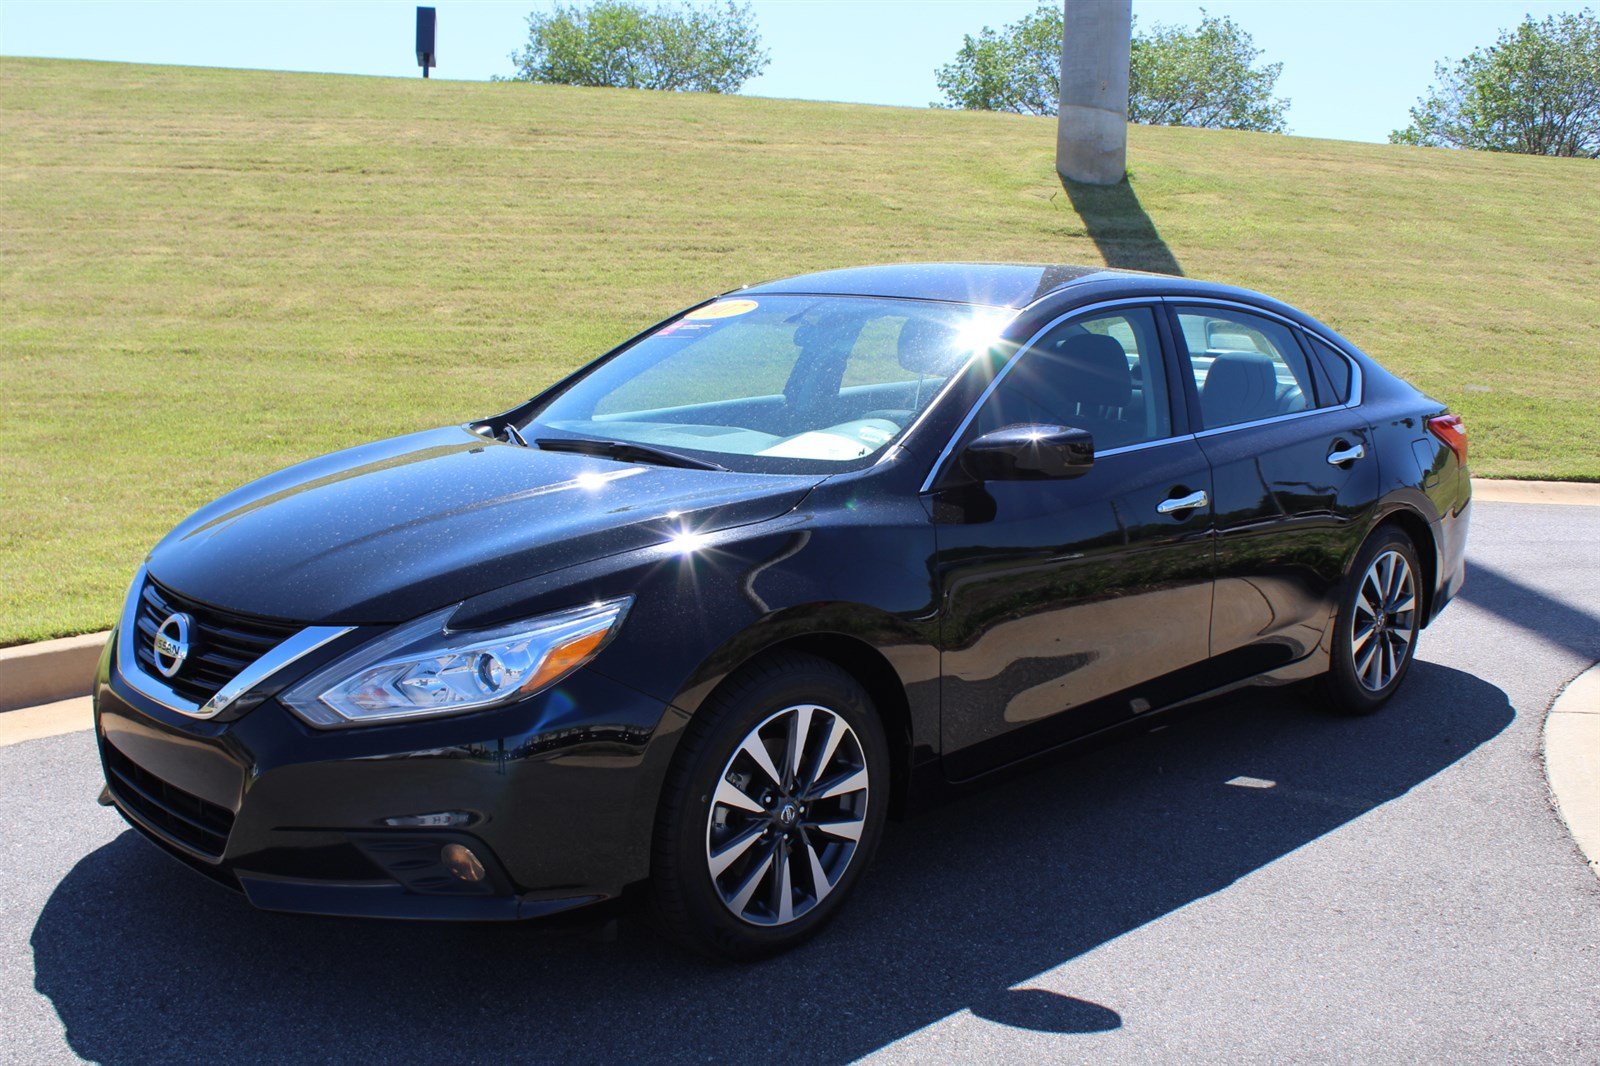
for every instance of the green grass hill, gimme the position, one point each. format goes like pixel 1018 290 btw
pixel 209 274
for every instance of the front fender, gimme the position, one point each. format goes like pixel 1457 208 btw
pixel 850 570
pixel 704 605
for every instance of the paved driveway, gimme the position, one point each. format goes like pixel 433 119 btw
pixel 1401 891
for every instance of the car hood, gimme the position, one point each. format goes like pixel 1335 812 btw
pixel 387 531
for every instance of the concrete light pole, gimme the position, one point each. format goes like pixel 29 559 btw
pixel 1092 131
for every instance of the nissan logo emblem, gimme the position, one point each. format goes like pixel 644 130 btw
pixel 172 643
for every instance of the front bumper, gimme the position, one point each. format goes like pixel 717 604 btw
pixel 555 796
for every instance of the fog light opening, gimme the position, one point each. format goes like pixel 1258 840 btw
pixel 460 861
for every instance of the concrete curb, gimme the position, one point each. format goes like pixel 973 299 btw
pixel 50 720
pixel 1572 760
pixel 1564 492
pixel 51 670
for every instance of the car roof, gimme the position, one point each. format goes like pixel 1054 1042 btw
pixel 997 284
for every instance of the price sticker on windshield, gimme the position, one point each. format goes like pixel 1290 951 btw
pixel 722 309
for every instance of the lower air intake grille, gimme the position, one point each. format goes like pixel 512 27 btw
pixel 179 816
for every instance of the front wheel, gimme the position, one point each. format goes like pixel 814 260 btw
pixel 1376 630
pixel 774 806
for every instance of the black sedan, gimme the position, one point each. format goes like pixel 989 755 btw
pixel 697 618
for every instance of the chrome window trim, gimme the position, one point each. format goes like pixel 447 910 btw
pixel 1356 377
pixel 1142 445
pixel 1022 349
pixel 293 648
pixel 1290 417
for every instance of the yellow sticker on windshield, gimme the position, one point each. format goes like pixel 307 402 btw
pixel 723 309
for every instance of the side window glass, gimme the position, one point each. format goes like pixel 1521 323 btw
pixel 1336 366
pixel 1246 368
pixel 1102 373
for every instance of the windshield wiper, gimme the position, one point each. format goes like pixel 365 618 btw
pixel 627 451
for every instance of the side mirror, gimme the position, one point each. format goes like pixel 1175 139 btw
pixel 1029 453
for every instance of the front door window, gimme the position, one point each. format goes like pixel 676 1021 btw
pixel 1103 374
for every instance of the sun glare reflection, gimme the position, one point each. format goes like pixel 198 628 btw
pixel 685 542
pixel 591 479
pixel 980 332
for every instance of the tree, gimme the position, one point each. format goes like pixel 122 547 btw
pixel 1015 69
pixel 1209 76
pixel 1536 90
pixel 627 45
pixel 1205 77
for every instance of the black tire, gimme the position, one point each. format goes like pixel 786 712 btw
pixel 687 901
pixel 1344 689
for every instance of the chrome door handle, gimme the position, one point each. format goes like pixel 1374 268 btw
pixel 1183 503
pixel 1347 455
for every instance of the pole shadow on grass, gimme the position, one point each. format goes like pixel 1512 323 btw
pixel 967 905
pixel 1117 223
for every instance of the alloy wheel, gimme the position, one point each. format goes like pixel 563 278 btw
pixel 787 815
pixel 1384 623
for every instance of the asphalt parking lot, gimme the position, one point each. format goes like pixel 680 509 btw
pixel 1257 881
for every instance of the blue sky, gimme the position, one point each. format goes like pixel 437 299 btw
pixel 1351 68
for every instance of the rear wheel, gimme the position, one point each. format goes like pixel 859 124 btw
pixel 774 805
pixel 1379 620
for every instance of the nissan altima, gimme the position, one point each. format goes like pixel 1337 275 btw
pixel 694 621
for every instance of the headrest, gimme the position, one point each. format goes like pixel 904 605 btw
pixel 1236 342
pixel 828 331
pixel 1093 369
pixel 1240 387
pixel 928 346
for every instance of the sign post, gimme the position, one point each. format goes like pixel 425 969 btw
pixel 425 26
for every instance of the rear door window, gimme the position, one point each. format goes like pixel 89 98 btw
pixel 1246 367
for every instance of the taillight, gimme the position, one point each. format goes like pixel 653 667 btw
pixel 1452 432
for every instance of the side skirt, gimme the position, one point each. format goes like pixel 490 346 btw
pixel 930 788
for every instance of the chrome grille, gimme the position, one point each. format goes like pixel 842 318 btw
pixel 221 643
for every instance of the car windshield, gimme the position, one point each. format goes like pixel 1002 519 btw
pixel 774 383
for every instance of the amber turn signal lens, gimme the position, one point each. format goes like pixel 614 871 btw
pixel 564 658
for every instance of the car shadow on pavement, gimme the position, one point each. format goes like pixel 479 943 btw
pixel 145 961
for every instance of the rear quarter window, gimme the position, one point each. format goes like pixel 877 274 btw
pixel 1337 367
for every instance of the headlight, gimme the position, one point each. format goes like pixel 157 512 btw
pixel 422 670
